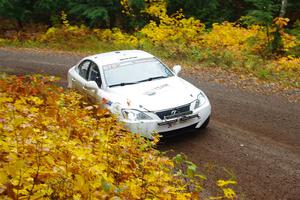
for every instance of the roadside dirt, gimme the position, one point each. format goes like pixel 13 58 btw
pixel 253 136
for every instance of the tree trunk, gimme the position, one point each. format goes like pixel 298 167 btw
pixel 19 24
pixel 283 8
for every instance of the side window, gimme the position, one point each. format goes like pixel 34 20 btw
pixel 83 69
pixel 94 74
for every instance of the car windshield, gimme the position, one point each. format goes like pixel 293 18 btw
pixel 132 72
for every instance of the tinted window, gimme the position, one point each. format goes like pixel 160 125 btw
pixel 83 69
pixel 94 74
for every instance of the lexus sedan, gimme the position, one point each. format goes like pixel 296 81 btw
pixel 141 91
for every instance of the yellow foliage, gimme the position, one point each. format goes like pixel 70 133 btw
pixel 281 22
pixel 65 33
pixel 287 64
pixel 226 44
pixel 175 28
pixel 228 193
pixel 126 8
pixel 222 183
pixel 55 146
pixel 289 41
pixel 156 8
pixel 124 39
pixel 116 36
pixel 176 36
pixel 64 19
pixel 231 36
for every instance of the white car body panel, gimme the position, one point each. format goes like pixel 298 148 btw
pixel 148 97
pixel 158 94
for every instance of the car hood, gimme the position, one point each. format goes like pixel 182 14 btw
pixel 156 94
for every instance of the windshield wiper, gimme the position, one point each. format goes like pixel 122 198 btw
pixel 122 84
pixel 131 83
pixel 152 78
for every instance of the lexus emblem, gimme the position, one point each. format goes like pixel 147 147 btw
pixel 173 112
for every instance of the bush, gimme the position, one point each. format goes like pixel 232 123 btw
pixel 55 146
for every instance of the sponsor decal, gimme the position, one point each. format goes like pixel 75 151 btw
pixel 161 86
pixel 153 91
pixel 106 101
pixel 111 66
pixel 150 93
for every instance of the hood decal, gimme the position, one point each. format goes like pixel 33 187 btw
pixel 161 86
pixel 150 93
pixel 153 91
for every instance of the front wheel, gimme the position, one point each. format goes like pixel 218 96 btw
pixel 205 124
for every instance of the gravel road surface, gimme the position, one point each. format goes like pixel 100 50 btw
pixel 253 137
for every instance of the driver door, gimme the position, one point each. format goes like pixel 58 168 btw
pixel 80 77
pixel 94 75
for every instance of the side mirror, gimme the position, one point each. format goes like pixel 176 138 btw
pixel 91 85
pixel 176 69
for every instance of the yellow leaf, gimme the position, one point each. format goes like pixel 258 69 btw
pixel 49 160
pixel 222 183
pixel 229 193
pixel 3 178
pixel 77 196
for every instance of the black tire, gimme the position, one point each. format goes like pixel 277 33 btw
pixel 205 124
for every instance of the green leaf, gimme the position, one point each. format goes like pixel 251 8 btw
pixel 191 170
pixel 178 159
pixel 106 186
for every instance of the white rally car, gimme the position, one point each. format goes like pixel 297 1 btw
pixel 142 91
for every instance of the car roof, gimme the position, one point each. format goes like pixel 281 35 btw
pixel 118 56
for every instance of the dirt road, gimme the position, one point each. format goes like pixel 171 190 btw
pixel 252 136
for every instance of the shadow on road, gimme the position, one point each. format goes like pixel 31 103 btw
pixel 183 137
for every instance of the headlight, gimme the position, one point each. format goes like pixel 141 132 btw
pixel 200 100
pixel 134 115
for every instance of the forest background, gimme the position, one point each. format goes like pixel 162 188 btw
pixel 257 38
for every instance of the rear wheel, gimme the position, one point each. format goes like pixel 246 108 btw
pixel 205 124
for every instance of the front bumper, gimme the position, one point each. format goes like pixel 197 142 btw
pixel 146 128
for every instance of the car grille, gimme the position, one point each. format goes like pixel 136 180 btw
pixel 174 112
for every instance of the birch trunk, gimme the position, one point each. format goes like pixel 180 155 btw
pixel 283 8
